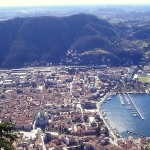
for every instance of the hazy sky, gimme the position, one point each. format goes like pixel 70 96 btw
pixel 4 3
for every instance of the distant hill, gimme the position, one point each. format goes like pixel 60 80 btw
pixel 142 34
pixel 48 39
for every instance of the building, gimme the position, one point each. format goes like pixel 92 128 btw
pixel 42 119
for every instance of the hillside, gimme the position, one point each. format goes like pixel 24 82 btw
pixel 142 34
pixel 48 39
pixel 99 56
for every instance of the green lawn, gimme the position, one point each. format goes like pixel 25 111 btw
pixel 144 79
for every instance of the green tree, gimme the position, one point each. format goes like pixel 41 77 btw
pixel 7 135
pixel 148 147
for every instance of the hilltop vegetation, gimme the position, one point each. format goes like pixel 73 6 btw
pixel 99 56
pixel 48 39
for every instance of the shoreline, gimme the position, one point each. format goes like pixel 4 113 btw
pixel 109 94
pixel 100 112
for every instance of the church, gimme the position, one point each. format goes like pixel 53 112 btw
pixel 42 119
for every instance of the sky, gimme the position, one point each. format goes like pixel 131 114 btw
pixel 4 3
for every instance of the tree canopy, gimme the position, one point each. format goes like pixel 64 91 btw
pixel 7 135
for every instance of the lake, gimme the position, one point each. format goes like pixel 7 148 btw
pixel 129 114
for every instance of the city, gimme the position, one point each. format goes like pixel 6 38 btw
pixel 59 107
pixel 74 75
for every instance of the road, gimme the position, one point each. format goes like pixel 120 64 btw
pixel 105 122
pixel 43 145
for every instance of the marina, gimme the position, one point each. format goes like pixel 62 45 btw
pixel 136 107
pixel 133 116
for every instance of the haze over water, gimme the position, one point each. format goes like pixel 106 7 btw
pixel 123 120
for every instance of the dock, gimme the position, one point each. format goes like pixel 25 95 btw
pixel 136 107
pixel 121 100
pixel 128 101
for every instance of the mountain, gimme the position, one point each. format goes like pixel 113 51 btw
pixel 48 39
pixel 142 34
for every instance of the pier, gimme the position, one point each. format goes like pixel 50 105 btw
pixel 126 99
pixel 136 107
pixel 121 100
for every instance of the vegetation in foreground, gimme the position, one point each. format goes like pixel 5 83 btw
pixel 7 135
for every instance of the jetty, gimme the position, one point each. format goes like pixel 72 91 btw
pixel 121 100
pixel 128 101
pixel 136 107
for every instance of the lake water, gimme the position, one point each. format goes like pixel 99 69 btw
pixel 124 117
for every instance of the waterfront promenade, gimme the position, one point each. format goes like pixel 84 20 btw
pixel 114 137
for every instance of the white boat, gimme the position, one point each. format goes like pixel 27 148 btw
pixel 108 98
pixel 134 115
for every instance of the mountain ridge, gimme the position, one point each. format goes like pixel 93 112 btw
pixel 49 38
